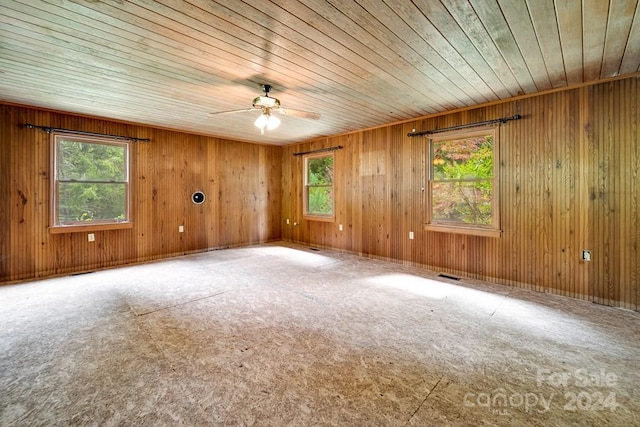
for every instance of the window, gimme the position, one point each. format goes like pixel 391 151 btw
pixel 90 185
pixel 463 183
pixel 318 187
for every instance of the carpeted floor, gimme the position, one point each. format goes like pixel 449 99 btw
pixel 280 335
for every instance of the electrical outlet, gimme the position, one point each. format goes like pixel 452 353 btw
pixel 340 227
pixel 586 255
pixel 411 235
pixel 181 229
pixel 91 237
pixel 287 221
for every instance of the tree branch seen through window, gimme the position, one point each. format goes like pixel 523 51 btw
pixel 91 181
pixel 319 197
pixel 462 180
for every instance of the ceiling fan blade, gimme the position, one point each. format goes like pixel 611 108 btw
pixel 217 113
pixel 299 113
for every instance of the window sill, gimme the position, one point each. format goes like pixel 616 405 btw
pixel 471 231
pixel 61 229
pixel 319 218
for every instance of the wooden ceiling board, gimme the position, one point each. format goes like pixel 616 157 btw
pixel 543 17
pixel 569 15
pixel 92 76
pixel 360 64
pixel 618 28
pixel 326 62
pixel 631 59
pixel 422 55
pixel 442 19
pixel 414 72
pixel 462 73
pixel 468 18
pixel 596 14
pixel 380 65
pixel 522 33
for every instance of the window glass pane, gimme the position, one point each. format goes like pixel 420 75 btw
pixel 463 202
pixel 320 200
pixel 83 161
pixel 79 202
pixel 466 158
pixel 320 171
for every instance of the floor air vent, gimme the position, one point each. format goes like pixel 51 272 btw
pixel 80 273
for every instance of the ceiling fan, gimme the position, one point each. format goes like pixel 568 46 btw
pixel 268 105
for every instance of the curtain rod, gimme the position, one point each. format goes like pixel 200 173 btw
pixel 468 125
pixel 79 132
pixel 337 147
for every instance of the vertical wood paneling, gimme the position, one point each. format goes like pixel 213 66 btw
pixel 342 185
pixel 601 219
pixel 248 193
pixel 634 190
pixel 583 232
pixel 410 200
pixel 211 220
pixel 352 180
pixel 613 200
pixel 242 183
pixel 143 204
pixel 288 190
pixel 271 191
pixel 375 176
pixel 5 195
pixel 625 187
pixel 568 182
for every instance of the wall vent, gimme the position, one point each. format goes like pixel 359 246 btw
pixel 446 276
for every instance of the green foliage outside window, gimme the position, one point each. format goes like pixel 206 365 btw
pixel 320 185
pixel 462 180
pixel 91 181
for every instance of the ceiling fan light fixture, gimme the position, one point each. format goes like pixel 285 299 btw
pixel 272 122
pixel 266 120
pixel 261 121
pixel 267 105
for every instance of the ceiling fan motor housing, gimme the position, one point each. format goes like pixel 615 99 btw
pixel 265 101
pixel 268 104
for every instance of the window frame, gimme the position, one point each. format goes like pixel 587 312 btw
pixel 490 230
pixel 55 227
pixel 305 188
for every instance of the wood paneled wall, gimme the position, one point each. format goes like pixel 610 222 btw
pixel 242 183
pixel 568 182
pixel 568 173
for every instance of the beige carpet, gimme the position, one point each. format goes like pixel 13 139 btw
pixel 281 335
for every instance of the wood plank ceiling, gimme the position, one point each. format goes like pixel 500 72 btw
pixel 363 63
